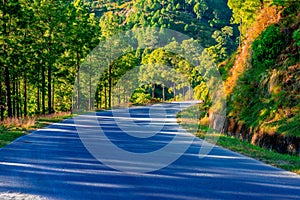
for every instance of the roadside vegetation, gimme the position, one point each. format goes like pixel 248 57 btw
pixel 12 128
pixel 284 161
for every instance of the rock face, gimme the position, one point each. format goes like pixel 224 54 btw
pixel 274 141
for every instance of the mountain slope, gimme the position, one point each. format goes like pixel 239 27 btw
pixel 263 83
pixel 196 18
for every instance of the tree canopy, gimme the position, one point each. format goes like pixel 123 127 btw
pixel 45 42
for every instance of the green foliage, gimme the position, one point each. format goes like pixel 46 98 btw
pixel 110 24
pixel 200 8
pixel 43 58
pixel 140 97
pixel 267 47
pixel 249 101
pixel 224 46
pixel 265 96
pixel 201 92
pixel 296 37
pixel 262 99
pixel 289 126
pixel 225 69
pixel 244 12
pixel 196 18
pixel 285 3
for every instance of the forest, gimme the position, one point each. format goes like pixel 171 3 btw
pixel 45 42
pixel 254 43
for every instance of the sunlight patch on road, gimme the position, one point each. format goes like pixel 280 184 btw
pixel 19 196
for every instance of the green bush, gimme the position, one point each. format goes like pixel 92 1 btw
pixel 267 47
pixel 296 37
pixel 140 97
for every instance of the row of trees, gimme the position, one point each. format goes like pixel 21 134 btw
pixel 44 43
pixel 202 20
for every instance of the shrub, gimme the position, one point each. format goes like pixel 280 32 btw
pixel 296 37
pixel 140 97
pixel 267 47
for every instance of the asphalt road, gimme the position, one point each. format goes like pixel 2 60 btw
pixel 56 163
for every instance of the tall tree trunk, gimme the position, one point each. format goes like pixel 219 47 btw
pixel 43 90
pixel 53 92
pixel 100 98
pixel 19 100
pixel 14 96
pixel 6 71
pixel 153 90
pixel 77 82
pixel 163 93
pixel 105 96
pixel 8 92
pixel 109 85
pixel 38 103
pixel 1 102
pixel 190 92
pixel 174 92
pixel 97 99
pixel 90 93
pixel 49 88
pixel 124 94
pixel 25 95
pixel 119 95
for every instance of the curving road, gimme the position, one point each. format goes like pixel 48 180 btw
pixel 53 163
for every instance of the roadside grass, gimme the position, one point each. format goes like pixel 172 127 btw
pixel 8 136
pixel 46 120
pixel 12 128
pixel 284 161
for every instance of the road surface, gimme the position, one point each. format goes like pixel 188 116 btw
pixel 54 163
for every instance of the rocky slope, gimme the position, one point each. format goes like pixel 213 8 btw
pixel 263 82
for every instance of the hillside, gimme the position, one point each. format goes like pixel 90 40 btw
pixel 263 81
pixel 196 18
